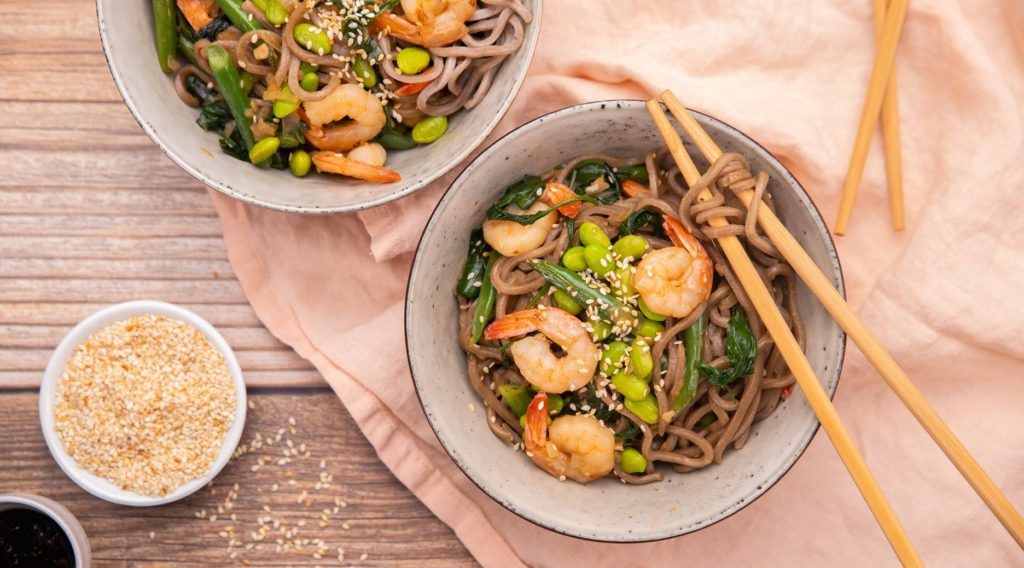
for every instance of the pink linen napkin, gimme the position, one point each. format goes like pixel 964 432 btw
pixel 943 295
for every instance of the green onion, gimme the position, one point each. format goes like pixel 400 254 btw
pixel 484 308
pixel 693 343
pixel 228 82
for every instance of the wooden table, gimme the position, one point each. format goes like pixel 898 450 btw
pixel 92 213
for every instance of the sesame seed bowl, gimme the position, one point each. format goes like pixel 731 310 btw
pixel 142 403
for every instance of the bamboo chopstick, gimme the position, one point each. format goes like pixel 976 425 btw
pixel 794 357
pixel 884 60
pixel 891 132
pixel 875 353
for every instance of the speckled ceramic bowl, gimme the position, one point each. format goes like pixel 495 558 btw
pixel 126 30
pixel 606 509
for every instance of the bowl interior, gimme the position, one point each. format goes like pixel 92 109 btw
pixel 99 486
pixel 127 33
pixel 605 509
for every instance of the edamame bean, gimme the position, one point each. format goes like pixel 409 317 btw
pixel 622 284
pixel 591 234
pixel 282 107
pixel 275 12
pixel 567 303
pixel 516 397
pixel 305 67
pixel 264 149
pixel 630 246
pixel 640 358
pixel 649 328
pixel 601 329
pixel 555 404
pixel 412 60
pixel 648 313
pixel 299 163
pixel 364 71
pixel 612 357
pixel 632 461
pixel 599 259
pixel 573 259
pixel 312 38
pixel 645 409
pixel 309 81
pixel 633 389
pixel 429 129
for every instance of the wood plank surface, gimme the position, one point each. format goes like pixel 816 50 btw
pixel 92 213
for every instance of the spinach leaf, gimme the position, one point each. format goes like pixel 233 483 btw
pixel 628 433
pixel 233 146
pixel 740 347
pixel 637 173
pixel 494 213
pixel 642 218
pixel 216 25
pixel 523 193
pixel 214 116
pixel 199 89
pixel 587 172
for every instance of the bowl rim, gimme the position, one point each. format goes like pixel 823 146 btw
pixel 61 515
pixel 529 44
pixel 819 223
pixel 94 484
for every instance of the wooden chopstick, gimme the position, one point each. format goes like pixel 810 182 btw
pixel 891 133
pixel 884 61
pixel 794 356
pixel 875 353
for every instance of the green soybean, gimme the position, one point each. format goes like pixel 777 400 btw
pixel 429 129
pixel 555 404
pixel 299 163
pixel 312 38
pixel 309 82
pixel 601 329
pixel 648 312
pixel 275 12
pixel 632 388
pixel 640 358
pixel 645 409
pixel 412 60
pixel 649 328
pixel 591 234
pixel 264 149
pixel 305 67
pixel 565 301
pixel 573 259
pixel 622 284
pixel 364 71
pixel 516 397
pixel 282 107
pixel 632 461
pixel 630 246
pixel 612 357
pixel 598 258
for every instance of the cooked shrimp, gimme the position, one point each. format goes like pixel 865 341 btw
pixel 673 281
pixel 348 101
pixel 335 163
pixel 369 153
pixel 511 239
pixel 577 447
pixel 533 356
pixel 197 12
pixel 430 23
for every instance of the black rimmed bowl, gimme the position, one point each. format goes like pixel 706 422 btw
pixel 604 510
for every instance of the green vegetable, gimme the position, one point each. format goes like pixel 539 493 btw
pixel 523 194
pixel 647 312
pixel 567 303
pixel 264 149
pixel 707 420
pixel 632 461
pixel 473 272
pixel 484 308
pixel 599 259
pixel 226 75
pixel 640 358
pixel 587 172
pixel 234 147
pixel 628 433
pixel 216 25
pixel 311 37
pixel 363 70
pixel 642 218
pixel 630 246
pixel 571 283
pixel 187 48
pixel 202 92
pixel 631 387
pixel 291 131
pixel 429 129
pixel 693 344
pixel 637 173
pixel 591 234
pixel 646 409
pixel 305 67
pixel 309 82
pixel 573 259
pixel 516 397
pixel 540 294
pixel 555 404
pixel 238 16
pixel 622 285
pixel 602 329
pixel 395 140
pixel 412 60
pixel 165 24
pixel 612 357
pixel 740 347
pixel 282 107
pixel 649 328
pixel 299 163
pixel 275 12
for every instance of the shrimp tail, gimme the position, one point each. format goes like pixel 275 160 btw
pixel 682 238
pixel 555 193
pixel 535 436
pixel 513 325
pixel 633 189
pixel 334 163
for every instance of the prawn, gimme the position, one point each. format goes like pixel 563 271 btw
pixel 349 101
pixel 430 23
pixel 336 163
pixel 533 356
pixel 577 447
pixel 675 280
pixel 511 239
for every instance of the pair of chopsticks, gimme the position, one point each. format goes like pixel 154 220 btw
pixel 881 98
pixel 883 362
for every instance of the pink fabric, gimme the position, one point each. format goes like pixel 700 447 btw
pixel 943 295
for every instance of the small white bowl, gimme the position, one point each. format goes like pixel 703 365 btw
pixel 60 514
pixel 96 485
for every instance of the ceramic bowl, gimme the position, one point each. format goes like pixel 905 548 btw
pixel 606 509
pixel 99 486
pixel 67 522
pixel 126 31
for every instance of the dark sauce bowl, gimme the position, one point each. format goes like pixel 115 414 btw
pixel 37 531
